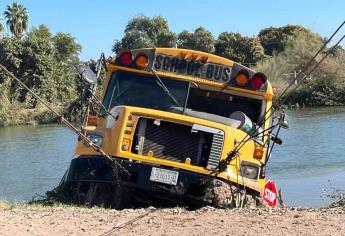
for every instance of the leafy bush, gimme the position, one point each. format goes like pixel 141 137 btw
pixel 325 86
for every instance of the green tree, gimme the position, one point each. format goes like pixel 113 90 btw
pixel 142 31
pixel 274 39
pixel 36 61
pixel 41 31
pixel 10 53
pixel 10 56
pixel 256 51
pixel 66 46
pixel 17 18
pixel 239 48
pixel 201 40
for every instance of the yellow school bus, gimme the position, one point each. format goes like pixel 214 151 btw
pixel 171 117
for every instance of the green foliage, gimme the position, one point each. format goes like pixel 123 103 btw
pixel 256 51
pixel 66 47
pixel 17 18
pixel 46 69
pixel 44 62
pixel 326 85
pixel 45 116
pixel 38 66
pixel 142 31
pixel 38 62
pixel 41 32
pixel 274 39
pixel 239 48
pixel 298 50
pixel 201 40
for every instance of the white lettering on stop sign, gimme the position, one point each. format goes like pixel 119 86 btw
pixel 270 195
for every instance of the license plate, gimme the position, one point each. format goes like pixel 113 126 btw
pixel 164 176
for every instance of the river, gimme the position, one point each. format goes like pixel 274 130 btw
pixel 309 164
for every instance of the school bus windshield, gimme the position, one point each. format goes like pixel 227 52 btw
pixel 139 90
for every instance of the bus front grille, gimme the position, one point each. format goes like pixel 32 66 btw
pixel 177 142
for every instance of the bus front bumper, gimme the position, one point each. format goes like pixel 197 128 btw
pixel 190 186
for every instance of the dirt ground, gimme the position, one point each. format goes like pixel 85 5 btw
pixel 38 220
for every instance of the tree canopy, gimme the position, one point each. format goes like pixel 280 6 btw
pixel 45 62
pixel 142 31
pixel 38 60
pixel 239 48
pixel 66 47
pixel 274 39
pixel 201 40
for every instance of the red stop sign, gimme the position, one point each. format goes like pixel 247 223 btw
pixel 270 193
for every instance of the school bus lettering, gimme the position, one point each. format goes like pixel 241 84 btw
pixel 207 71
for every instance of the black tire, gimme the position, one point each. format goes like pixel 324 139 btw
pixel 226 195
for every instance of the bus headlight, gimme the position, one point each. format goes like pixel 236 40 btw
pixel 97 139
pixel 249 171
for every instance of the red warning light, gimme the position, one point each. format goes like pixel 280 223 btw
pixel 126 58
pixel 258 80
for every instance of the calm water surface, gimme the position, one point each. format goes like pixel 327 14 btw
pixel 310 161
pixel 312 157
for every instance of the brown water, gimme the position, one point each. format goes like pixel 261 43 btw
pixel 312 158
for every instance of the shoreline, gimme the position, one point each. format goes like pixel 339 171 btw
pixel 69 220
pixel 41 116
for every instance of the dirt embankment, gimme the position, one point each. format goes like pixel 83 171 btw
pixel 33 220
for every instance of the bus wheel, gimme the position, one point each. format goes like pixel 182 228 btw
pixel 225 195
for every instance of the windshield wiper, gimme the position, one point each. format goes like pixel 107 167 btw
pixel 164 88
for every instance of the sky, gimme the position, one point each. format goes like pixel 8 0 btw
pixel 96 24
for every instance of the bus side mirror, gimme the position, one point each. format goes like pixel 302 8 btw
pixel 87 74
